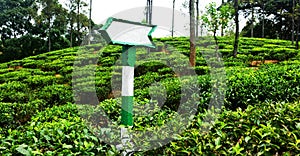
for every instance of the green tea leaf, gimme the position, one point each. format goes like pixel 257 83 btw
pixel 21 149
pixel 247 138
pixel 67 146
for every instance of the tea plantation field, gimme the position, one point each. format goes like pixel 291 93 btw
pixel 260 108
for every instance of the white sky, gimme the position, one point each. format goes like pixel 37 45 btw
pixel 102 9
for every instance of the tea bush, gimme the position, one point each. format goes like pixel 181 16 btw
pixel 53 132
pixel 245 86
pixel 259 115
pixel 263 129
pixel 56 94
pixel 16 114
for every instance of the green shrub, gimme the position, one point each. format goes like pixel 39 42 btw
pixel 68 136
pixel 148 67
pixel 278 42
pixel 166 72
pixel 259 50
pixel 202 70
pixel 271 46
pixel 222 46
pixel 6 115
pixel 55 94
pixel 269 83
pixel 264 129
pixel 226 52
pixel 15 114
pixel 146 80
pixel 247 47
pixel 200 61
pixel 32 124
pixel 14 91
pixel 34 63
pixel 55 65
pixel 283 53
pixel 38 81
pixel 14 76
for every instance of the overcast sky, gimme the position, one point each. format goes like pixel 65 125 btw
pixel 102 9
pixel 106 8
pixel 127 9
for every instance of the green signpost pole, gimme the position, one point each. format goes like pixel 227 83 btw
pixel 128 43
pixel 128 61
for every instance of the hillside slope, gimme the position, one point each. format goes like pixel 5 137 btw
pixel 38 114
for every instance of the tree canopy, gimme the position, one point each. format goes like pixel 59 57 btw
pixel 29 27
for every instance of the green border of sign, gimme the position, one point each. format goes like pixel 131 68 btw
pixel 108 39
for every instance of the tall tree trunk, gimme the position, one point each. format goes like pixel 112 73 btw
pixel 71 36
pixel 147 12
pixel 298 28
pixel 90 23
pixel 192 33
pixel 236 19
pixel 222 27
pixel 201 28
pixel 173 18
pixel 293 23
pixel 263 21
pixel 252 19
pixel 297 36
pixel 281 25
pixel 49 34
pixel 78 21
pixel 215 38
pixel 197 18
pixel 150 12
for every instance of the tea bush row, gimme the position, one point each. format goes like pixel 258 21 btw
pixel 263 129
pixel 245 86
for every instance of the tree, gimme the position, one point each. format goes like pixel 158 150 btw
pixel 80 4
pixel 214 18
pixel 222 31
pixel 71 20
pixel 48 12
pixel 293 22
pixel 236 19
pixel 172 31
pixel 252 17
pixel 197 18
pixel 274 18
pixel 192 33
pixel 297 14
pixel 226 13
pixel 211 19
pixel 17 31
pixel 15 18
pixel 263 20
pixel 78 23
pixel 149 11
pixel 30 27
pixel 90 21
